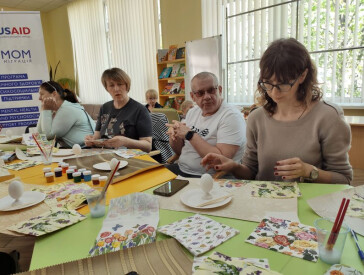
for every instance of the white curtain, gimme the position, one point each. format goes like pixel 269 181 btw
pixel 213 16
pixel 86 19
pixel 132 32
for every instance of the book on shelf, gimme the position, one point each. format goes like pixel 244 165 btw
pixel 167 89
pixel 180 53
pixel 169 103
pixel 182 87
pixel 172 51
pixel 175 88
pixel 178 101
pixel 175 69
pixel 162 55
pixel 182 70
pixel 166 72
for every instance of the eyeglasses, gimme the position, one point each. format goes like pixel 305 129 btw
pixel 284 87
pixel 210 91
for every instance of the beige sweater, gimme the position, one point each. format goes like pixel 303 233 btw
pixel 321 138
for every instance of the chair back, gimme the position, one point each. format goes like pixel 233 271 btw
pixel 160 139
pixel 170 113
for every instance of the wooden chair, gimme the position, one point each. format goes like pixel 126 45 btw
pixel 170 113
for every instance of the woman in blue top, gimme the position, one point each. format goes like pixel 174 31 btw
pixel 62 116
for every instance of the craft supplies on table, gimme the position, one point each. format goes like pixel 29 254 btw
pixel 49 177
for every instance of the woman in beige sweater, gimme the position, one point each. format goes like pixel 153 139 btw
pixel 295 135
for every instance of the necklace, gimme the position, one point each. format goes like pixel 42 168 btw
pixel 304 110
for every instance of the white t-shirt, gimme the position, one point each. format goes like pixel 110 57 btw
pixel 227 126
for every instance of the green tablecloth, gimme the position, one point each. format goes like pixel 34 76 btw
pixel 74 242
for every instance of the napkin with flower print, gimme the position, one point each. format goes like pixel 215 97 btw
pixel 340 269
pixel 131 221
pixel 48 222
pixel 287 237
pixel 199 233
pixel 276 190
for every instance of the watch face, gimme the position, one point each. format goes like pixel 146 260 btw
pixel 314 174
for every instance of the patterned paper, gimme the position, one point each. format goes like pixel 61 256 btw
pixel 21 165
pixel 356 208
pixel 219 263
pixel 271 189
pixel 129 153
pixel 290 238
pixel 340 269
pixel 199 233
pixel 67 195
pixel 48 222
pixel 31 151
pixel 231 184
pixel 131 221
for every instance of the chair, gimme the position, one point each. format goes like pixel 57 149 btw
pixel 170 113
pixel 160 139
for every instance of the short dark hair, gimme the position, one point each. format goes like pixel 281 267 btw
pixel 287 59
pixel 65 94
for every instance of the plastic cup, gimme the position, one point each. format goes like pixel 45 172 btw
pixel 47 156
pixel 96 203
pixel 330 255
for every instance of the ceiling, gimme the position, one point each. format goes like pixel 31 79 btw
pixel 34 5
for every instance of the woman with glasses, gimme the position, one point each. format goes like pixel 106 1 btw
pixel 295 135
pixel 62 116
pixel 122 122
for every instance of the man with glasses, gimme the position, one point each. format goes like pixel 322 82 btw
pixel 211 126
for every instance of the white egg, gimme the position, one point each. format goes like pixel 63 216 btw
pixel 16 189
pixel 206 183
pixel 113 163
pixel 76 149
pixel 9 133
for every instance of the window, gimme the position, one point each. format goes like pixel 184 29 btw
pixel 332 31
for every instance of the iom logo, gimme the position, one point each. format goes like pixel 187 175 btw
pixel 16 56
pixel 14 31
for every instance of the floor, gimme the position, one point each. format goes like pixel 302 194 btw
pixel 25 244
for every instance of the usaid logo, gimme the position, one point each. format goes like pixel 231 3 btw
pixel 16 56
pixel 14 31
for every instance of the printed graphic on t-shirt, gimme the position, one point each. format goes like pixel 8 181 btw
pixel 122 129
pixel 202 133
pixel 110 130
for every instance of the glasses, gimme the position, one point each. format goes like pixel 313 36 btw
pixel 210 91
pixel 284 87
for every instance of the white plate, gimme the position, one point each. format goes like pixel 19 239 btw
pixel 28 199
pixel 193 197
pixel 63 153
pixel 105 166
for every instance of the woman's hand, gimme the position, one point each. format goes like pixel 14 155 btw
pixel 218 162
pixel 115 142
pixel 49 103
pixel 89 140
pixel 292 168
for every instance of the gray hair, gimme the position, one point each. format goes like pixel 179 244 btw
pixel 203 75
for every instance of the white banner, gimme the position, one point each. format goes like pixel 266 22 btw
pixel 23 67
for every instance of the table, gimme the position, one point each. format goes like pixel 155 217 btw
pixel 357 141
pixel 74 242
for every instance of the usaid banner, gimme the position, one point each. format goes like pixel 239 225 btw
pixel 23 67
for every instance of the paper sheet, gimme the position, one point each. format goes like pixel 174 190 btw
pixel 20 155
pixel 243 206
pixel 340 269
pixel 327 206
pixel 287 237
pixel 131 221
pixel 275 190
pixel 21 165
pixel 199 234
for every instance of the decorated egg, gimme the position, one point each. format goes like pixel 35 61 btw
pixel 76 149
pixel 16 189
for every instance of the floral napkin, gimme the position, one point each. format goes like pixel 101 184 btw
pixel 219 263
pixel 340 269
pixel 131 221
pixel 67 195
pixel 290 238
pixel 231 184
pixel 356 206
pixel 199 233
pixel 48 222
pixel 129 153
pixel 21 165
pixel 31 151
pixel 276 190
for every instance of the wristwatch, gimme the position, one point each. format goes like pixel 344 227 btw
pixel 314 173
pixel 189 135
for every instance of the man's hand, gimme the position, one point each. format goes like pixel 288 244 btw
pixel 177 130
